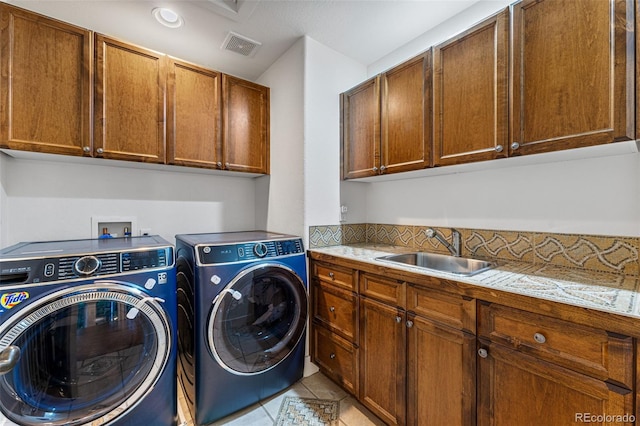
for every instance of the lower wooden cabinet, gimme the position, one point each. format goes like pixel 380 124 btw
pixel 518 389
pixel 423 355
pixel 383 360
pixel 441 374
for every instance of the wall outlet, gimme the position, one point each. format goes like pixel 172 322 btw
pixel 343 213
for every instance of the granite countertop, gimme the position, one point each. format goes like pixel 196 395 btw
pixel 617 294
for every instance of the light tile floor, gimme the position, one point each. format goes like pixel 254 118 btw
pixel 352 413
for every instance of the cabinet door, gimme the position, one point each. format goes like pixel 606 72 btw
pixel 471 94
pixel 441 375
pixel 193 116
pixel 45 84
pixel 382 360
pixel 360 130
pixel 572 74
pixel 129 113
pixel 516 389
pixel 406 116
pixel 245 125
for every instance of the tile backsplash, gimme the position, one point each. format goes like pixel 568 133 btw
pixel 586 252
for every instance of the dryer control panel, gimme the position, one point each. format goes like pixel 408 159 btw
pixel 70 267
pixel 241 252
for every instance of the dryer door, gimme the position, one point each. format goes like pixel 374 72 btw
pixel 89 353
pixel 257 319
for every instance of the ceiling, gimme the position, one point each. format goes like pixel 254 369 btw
pixel 363 30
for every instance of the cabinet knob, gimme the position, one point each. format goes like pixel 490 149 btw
pixel 499 148
pixel 382 169
pixel 409 324
pixel 539 337
pixel 398 319
pixel 86 149
pixel 332 275
pixel 332 356
pixel 332 309
pixel 219 164
pixel 515 146
pixel 226 165
pixel 482 353
pixel 100 150
pixel 375 169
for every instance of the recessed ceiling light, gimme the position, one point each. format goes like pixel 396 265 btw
pixel 167 17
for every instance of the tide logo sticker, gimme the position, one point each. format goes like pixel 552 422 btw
pixel 9 300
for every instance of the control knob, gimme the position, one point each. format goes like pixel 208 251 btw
pixel 260 249
pixel 86 265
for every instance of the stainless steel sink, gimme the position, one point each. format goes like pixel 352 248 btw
pixel 440 262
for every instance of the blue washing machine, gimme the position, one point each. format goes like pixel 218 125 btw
pixel 87 333
pixel 242 314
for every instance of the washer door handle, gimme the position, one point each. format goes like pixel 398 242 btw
pixel 9 357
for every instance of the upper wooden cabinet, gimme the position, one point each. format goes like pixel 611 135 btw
pixel 360 130
pixel 245 129
pixel 471 92
pixel 193 116
pixel 129 98
pixel 45 85
pixel 573 74
pixel 386 121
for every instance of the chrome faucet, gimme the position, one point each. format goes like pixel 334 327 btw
pixel 456 240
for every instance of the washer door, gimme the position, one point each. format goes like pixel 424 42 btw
pixel 89 353
pixel 257 319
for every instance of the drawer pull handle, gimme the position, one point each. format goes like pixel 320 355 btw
pixel 332 356
pixel 332 309
pixel 539 337
pixel 483 353
pixel 331 275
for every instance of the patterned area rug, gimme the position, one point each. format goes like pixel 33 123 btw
pixel 307 412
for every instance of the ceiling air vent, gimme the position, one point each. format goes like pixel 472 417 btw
pixel 240 44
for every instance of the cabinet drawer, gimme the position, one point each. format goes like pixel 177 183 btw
pixel 342 277
pixel 592 351
pixel 383 289
pixel 449 309
pixel 336 309
pixel 336 357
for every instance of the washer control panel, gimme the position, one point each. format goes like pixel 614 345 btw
pixel 240 252
pixel 72 267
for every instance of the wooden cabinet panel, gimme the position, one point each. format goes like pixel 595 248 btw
pixel 341 277
pixel 383 360
pixel 572 81
pixel 360 130
pixel 471 94
pixel 441 375
pixel 383 289
pixel 406 116
pixel 129 113
pixel 584 349
pixel 245 125
pixel 337 358
pixel 193 116
pixel 518 389
pixel 45 84
pixel 453 310
pixel 336 309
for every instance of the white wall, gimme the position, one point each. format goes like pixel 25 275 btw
pixel 280 196
pixel 599 195
pixel 49 200
pixel 327 74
